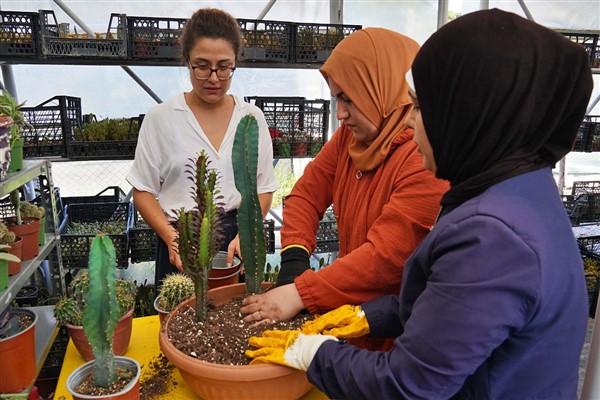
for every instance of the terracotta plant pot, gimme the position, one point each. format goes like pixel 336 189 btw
pixel 17 357
pixel 29 231
pixel 129 392
pixel 14 267
pixel 300 149
pixel 121 337
pixel 220 274
pixel 218 381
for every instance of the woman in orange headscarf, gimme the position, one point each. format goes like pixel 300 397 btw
pixel 383 198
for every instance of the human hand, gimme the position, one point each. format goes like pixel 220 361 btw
pixel 277 304
pixel 233 249
pixel 174 257
pixel 344 322
pixel 290 348
pixel 294 261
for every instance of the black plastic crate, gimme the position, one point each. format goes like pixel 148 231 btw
pixel 298 126
pixel 54 44
pixel 154 37
pixel 142 240
pixel 19 34
pixel 327 237
pixel 75 249
pixel 110 194
pixel 269 227
pixel 589 41
pixel 52 123
pixel 584 187
pixel 588 135
pixel 589 247
pixel 313 43
pixel 266 41
pixel 121 149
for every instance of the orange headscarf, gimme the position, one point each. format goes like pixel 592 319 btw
pixel 370 66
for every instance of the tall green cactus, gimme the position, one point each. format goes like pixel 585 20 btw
pixel 200 230
pixel 102 312
pixel 250 219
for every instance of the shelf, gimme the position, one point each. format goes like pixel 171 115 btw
pixel 28 267
pixel 45 333
pixel 14 180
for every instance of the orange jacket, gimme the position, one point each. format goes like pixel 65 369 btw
pixel 381 217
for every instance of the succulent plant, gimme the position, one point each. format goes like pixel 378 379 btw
pixel 69 309
pixel 6 236
pixel 31 210
pixel 200 230
pixel 176 287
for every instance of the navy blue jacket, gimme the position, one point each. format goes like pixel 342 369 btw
pixel 493 305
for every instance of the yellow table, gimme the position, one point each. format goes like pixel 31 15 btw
pixel 144 348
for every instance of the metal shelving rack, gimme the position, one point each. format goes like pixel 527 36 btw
pixel 45 330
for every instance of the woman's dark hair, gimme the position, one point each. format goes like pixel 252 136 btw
pixel 210 23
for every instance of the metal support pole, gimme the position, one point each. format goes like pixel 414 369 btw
pixel 91 34
pixel 526 10
pixel 336 16
pixel 442 13
pixel 9 80
pixel 266 9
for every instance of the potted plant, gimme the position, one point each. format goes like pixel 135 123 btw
pixel 300 144
pixel 14 244
pixel 27 227
pixel 30 210
pixel 107 376
pixel 11 108
pixel 176 287
pixel 209 379
pixel 17 347
pixel 69 312
pixel 281 143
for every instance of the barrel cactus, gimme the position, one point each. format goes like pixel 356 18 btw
pixel 69 309
pixel 176 287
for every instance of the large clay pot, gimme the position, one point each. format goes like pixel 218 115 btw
pixel 14 267
pixel 129 392
pixel 29 231
pixel 17 357
pixel 121 337
pixel 240 382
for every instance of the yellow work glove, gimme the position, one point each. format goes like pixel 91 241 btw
pixel 343 322
pixel 290 348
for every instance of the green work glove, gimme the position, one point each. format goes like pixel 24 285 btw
pixel 344 322
pixel 290 348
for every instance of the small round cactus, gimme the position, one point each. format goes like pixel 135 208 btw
pixel 70 309
pixel 175 288
pixel 66 311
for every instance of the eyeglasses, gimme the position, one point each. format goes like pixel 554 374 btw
pixel 203 72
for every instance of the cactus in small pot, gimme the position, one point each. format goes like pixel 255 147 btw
pixel 250 219
pixel 176 287
pixel 100 317
pixel 200 230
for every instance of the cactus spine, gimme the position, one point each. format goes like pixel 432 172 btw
pixel 250 220
pixel 200 231
pixel 176 287
pixel 102 312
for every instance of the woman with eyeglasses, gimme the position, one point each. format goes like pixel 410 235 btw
pixel 205 118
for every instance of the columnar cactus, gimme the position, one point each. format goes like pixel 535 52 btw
pixel 176 287
pixel 102 312
pixel 250 219
pixel 200 230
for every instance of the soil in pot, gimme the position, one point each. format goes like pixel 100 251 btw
pixel 224 337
